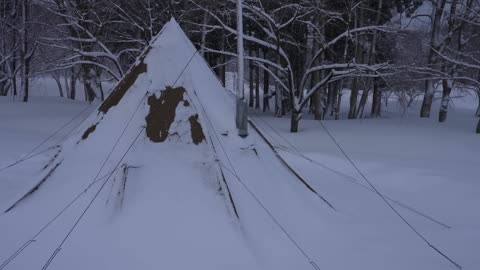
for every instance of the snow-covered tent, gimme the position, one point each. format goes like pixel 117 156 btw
pixel 165 205
pixel 156 178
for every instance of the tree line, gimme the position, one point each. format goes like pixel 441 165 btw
pixel 302 56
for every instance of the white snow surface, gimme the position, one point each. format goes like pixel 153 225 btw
pixel 171 213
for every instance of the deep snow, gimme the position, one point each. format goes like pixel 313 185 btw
pixel 171 214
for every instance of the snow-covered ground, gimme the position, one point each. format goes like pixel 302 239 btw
pixel 430 167
pixel 173 211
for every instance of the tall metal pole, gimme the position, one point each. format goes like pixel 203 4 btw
pixel 242 108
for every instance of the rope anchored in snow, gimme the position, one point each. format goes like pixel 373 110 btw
pixel 50 222
pixel 386 201
pixel 57 250
pixel 249 191
pixel 96 179
pixel 290 168
pixel 54 254
pixel 29 154
pixel 297 153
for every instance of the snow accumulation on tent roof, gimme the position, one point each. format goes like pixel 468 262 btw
pixel 164 207
pixel 187 193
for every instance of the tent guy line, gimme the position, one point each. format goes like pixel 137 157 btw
pixel 445 256
pixel 29 154
pixel 50 222
pixel 249 191
pixel 55 253
pixel 57 250
pixel 351 179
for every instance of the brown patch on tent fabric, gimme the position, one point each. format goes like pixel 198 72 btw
pixel 122 87
pixel 162 113
pixel 89 131
pixel 197 130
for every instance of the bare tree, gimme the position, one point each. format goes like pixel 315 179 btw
pixel 274 23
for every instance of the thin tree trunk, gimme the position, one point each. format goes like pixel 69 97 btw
pixel 478 108
pixel 73 85
pixel 339 103
pixel 67 86
pixel 223 59
pixel 434 39
pixel 204 34
pixel 279 111
pixel 251 80
pixel 377 99
pixel 257 84
pixel 98 83
pixel 363 100
pixel 377 95
pixel 278 100
pixel 24 51
pixel 14 56
pixel 317 102
pixel 59 85
pixel 318 106
pixel 330 100
pixel 478 127
pixel 266 85
pixel 352 113
pixel 448 84
pixel 294 121
pixel 447 89
pixel 88 79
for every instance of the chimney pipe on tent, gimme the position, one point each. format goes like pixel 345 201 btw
pixel 241 105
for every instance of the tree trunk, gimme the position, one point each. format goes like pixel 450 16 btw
pixel 377 95
pixel 223 60
pixel 257 85
pixel 317 99
pixel 278 95
pixel 478 127
pixel 339 103
pixel 363 101
pixel 14 56
pixel 316 106
pixel 330 100
pixel 294 121
pixel 204 34
pixel 427 99
pixel 87 83
pixel 447 89
pixel 251 79
pixel 352 113
pixel 448 84
pixel 67 86
pixel 377 100
pixel 59 85
pixel 24 51
pixel 478 108
pixel 358 22
pixel 335 90
pixel 73 85
pixel 98 83
pixel 266 85
pixel 434 40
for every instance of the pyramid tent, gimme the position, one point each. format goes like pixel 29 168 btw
pixel 156 178
pixel 164 206
pixel 166 136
